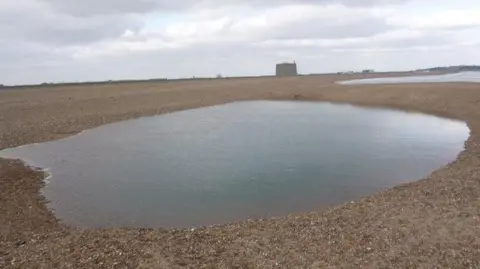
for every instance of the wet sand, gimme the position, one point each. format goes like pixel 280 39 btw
pixel 430 223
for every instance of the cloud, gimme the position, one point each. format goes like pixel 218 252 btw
pixel 61 40
pixel 303 23
pixel 447 19
pixel 34 21
pixel 94 7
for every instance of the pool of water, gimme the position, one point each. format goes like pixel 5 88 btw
pixel 237 161
pixel 456 77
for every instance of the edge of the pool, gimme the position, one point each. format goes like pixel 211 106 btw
pixel 400 108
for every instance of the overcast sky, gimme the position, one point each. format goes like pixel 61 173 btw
pixel 71 40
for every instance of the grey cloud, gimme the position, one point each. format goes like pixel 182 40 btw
pixel 45 26
pixel 59 21
pixel 428 40
pixel 362 27
pixel 37 43
pixel 21 54
pixel 94 7
pixel 82 32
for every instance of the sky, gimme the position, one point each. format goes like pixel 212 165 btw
pixel 90 40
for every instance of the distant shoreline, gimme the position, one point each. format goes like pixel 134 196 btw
pixel 193 79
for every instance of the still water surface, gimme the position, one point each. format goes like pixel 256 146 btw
pixel 237 161
pixel 456 77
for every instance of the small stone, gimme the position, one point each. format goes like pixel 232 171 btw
pixel 464 215
pixel 20 243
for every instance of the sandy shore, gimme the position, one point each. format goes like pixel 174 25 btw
pixel 431 223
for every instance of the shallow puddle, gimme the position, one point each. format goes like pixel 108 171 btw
pixel 237 161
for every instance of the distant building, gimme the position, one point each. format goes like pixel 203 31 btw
pixel 286 69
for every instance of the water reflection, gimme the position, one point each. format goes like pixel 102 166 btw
pixel 236 161
pixel 457 77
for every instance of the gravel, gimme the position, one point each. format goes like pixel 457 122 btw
pixel 430 223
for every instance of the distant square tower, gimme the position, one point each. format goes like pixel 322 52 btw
pixel 286 69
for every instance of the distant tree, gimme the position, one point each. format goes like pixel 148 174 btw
pixel 219 76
